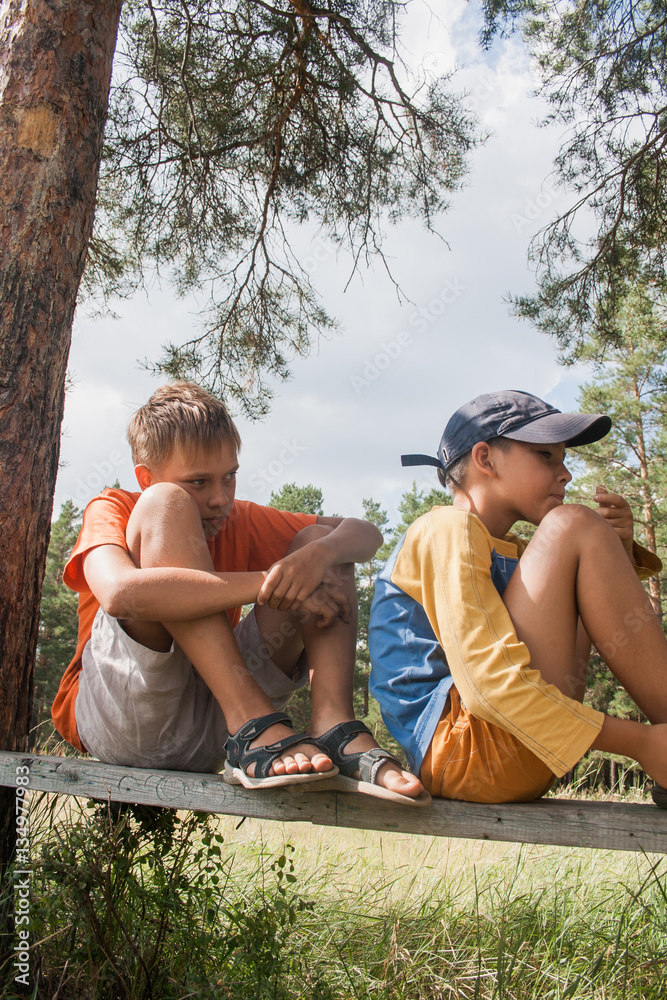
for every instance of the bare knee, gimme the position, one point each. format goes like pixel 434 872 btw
pixel 575 522
pixel 309 534
pixel 167 497
pixel 164 512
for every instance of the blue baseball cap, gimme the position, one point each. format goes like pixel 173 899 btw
pixel 515 415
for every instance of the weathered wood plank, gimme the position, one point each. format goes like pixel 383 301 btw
pixel 571 823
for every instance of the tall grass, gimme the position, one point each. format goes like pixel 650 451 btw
pixel 132 906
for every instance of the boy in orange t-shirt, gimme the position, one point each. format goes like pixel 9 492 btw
pixel 165 673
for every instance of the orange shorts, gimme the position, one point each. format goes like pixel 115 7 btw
pixel 478 762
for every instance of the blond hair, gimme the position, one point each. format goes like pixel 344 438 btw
pixel 179 415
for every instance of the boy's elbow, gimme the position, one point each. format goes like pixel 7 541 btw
pixel 116 602
pixel 113 605
pixel 372 540
pixel 371 532
pixel 365 537
pixel 372 535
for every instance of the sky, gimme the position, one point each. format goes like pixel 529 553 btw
pixel 388 381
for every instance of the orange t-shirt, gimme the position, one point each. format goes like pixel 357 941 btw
pixel 251 539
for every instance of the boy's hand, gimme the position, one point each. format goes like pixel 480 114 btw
pixel 293 579
pixel 324 606
pixel 335 590
pixel 616 510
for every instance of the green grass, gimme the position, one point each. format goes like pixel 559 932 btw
pixel 151 908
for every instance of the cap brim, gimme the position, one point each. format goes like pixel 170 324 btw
pixel 571 429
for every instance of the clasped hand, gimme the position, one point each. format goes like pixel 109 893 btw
pixel 307 581
pixel 617 512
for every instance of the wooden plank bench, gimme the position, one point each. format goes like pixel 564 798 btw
pixel 571 823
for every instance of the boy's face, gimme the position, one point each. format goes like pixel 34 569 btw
pixel 532 479
pixel 208 475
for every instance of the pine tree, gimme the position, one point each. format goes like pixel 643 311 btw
pixel 298 499
pixel 55 70
pixel 227 122
pixel 631 386
pixel 58 620
pixel 602 67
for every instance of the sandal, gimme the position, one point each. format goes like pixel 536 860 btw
pixel 240 756
pixel 659 796
pixel 367 762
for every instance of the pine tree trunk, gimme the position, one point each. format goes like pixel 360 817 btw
pixel 648 506
pixel 55 70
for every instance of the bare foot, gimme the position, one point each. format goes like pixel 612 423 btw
pixel 299 759
pixel 390 775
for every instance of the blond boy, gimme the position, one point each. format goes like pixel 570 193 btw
pixel 166 673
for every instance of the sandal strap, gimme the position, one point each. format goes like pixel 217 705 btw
pixel 367 762
pixel 334 741
pixel 255 727
pixel 237 747
pixel 371 761
pixel 659 796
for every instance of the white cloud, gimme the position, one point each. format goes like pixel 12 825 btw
pixel 417 360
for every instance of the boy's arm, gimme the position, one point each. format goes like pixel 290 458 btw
pixel 617 512
pixel 173 593
pixel 353 540
pixel 293 578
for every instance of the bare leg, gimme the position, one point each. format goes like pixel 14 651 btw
pixel 582 655
pixel 331 657
pixel 165 530
pixel 575 568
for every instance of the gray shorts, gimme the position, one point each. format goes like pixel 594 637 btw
pixel 142 708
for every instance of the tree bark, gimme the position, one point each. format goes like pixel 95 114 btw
pixel 55 71
pixel 647 501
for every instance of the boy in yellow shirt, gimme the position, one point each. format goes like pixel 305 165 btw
pixel 480 642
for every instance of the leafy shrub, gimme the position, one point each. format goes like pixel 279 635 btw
pixel 134 903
